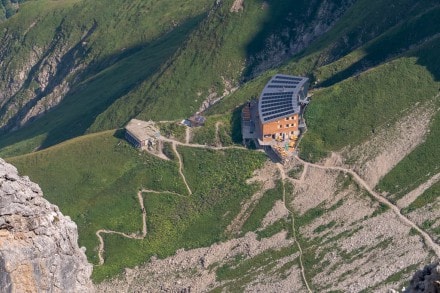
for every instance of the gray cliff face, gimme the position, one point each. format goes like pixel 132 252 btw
pixel 297 33
pixel 38 77
pixel 38 245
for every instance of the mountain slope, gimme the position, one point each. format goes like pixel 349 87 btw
pixel 187 78
pixel 372 128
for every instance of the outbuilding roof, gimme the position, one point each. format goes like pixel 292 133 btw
pixel 280 97
pixel 142 130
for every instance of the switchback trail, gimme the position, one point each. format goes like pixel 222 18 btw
pixel 283 179
pixel 181 168
pixel 131 236
pixel 174 143
pixel 428 240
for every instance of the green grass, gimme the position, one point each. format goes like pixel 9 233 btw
pixel 238 273
pixel 173 130
pixel 296 172
pixel 263 206
pixel 278 226
pixel 95 178
pixel 417 167
pixel 94 95
pixel 351 111
pixel 430 196
pixel 227 131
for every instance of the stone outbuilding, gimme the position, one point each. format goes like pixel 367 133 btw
pixel 142 133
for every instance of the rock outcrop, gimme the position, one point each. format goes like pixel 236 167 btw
pixel 38 245
pixel 426 280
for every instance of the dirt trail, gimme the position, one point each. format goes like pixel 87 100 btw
pixel 174 143
pixel 414 194
pixel 131 236
pixel 217 138
pixel 202 146
pixel 303 175
pixel 187 134
pixel 181 168
pixel 283 178
pixel 428 240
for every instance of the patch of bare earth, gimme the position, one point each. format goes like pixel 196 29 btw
pixel 194 269
pixel 237 6
pixel 350 242
pixel 389 145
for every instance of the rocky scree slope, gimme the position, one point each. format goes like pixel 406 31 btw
pixel 38 245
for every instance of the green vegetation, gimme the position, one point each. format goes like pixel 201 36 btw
pixel 240 272
pixel 324 227
pixel 263 206
pixel 172 130
pixel 416 168
pixel 350 111
pixel 296 172
pixel 105 87
pixel 278 226
pixel 160 60
pixel 168 151
pixel 8 8
pixel 430 196
pixel 225 136
pixel 95 178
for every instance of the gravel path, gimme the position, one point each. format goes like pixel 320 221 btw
pixel 202 146
pixel 101 247
pixel 181 168
pixel 428 240
pixel 187 134
pixel 284 177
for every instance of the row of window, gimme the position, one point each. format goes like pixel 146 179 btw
pixel 274 135
pixel 287 125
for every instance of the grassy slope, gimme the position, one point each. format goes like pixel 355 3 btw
pixel 80 108
pixel 368 29
pixel 197 67
pixel 417 167
pixel 119 57
pixel 215 50
pixel 95 178
pixel 343 113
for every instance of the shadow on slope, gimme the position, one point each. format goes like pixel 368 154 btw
pixel 289 28
pixel 404 37
pixel 74 115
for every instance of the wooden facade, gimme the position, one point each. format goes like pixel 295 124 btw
pixel 282 128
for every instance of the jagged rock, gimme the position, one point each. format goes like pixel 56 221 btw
pixel 38 245
pixel 426 280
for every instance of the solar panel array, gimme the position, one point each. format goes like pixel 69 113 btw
pixel 279 97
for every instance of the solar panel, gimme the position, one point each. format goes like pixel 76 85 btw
pixel 278 93
pixel 289 77
pixel 284 81
pixel 280 97
pixel 282 86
